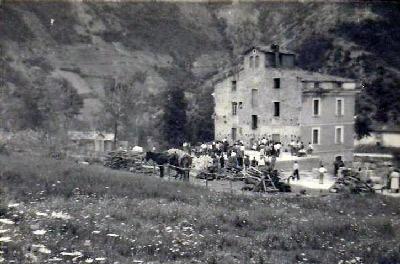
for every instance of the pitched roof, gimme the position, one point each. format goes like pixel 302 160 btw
pixel 267 49
pixel 316 76
pixel 90 135
pixel 379 127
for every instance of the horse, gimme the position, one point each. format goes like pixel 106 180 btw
pixel 159 158
pixel 180 164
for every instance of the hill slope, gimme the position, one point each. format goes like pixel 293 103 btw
pixel 90 43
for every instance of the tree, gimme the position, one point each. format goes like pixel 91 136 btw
pixel 173 120
pixel 122 103
pixel 58 103
pixel 200 122
pixel 362 126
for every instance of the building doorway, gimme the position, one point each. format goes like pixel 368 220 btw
pixel 276 137
pixel 234 134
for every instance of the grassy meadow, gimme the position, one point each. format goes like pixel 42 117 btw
pixel 60 212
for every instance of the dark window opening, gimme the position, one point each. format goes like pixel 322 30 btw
pixel 315 136
pixel 316 107
pixel 234 108
pixel 277 83
pixel 254 122
pixel 257 61
pixel 240 105
pixel 233 85
pixel 277 109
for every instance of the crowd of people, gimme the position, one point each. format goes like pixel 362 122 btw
pixel 233 157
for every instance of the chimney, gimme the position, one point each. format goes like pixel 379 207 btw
pixel 275 49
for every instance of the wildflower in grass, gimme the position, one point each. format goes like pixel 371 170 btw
pixel 71 254
pixel 60 215
pixel 44 250
pixel 39 232
pixel 5 239
pixel 55 259
pixel 6 221
pixel 41 214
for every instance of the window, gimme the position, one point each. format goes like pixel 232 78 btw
pixel 251 62
pixel 233 86
pixel 338 135
pixel 257 63
pixel 240 105
pixel 254 122
pixel 234 108
pixel 316 107
pixel 277 109
pixel 254 97
pixel 316 85
pixel 339 107
pixel 315 137
pixel 277 83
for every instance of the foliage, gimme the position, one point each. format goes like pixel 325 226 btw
pixel 362 126
pixel 313 52
pixel 174 119
pixel 64 28
pixel 201 113
pixel 13 26
pixel 122 102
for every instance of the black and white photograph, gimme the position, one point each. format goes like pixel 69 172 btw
pixel 199 131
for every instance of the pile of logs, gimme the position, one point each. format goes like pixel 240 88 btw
pixel 124 160
pixel 349 183
pixel 259 181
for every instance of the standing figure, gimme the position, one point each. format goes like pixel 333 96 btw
pixel 394 181
pixel 322 172
pixel 273 161
pixel 246 162
pixel 296 174
pixel 222 160
pixel 254 162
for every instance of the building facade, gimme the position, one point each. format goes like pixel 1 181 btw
pixel 90 142
pixel 268 96
pixel 382 135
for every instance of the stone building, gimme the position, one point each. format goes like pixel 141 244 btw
pixel 268 96
pixel 384 135
pixel 90 142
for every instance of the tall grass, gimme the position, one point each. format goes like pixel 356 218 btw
pixel 175 222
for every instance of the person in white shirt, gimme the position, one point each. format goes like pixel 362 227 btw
pixel 296 174
pixel 322 172
pixel 264 141
pixel 310 148
pixel 278 148
pixel 394 181
pixel 261 162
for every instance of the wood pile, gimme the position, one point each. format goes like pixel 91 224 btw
pixel 351 184
pixel 259 181
pixel 124 160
